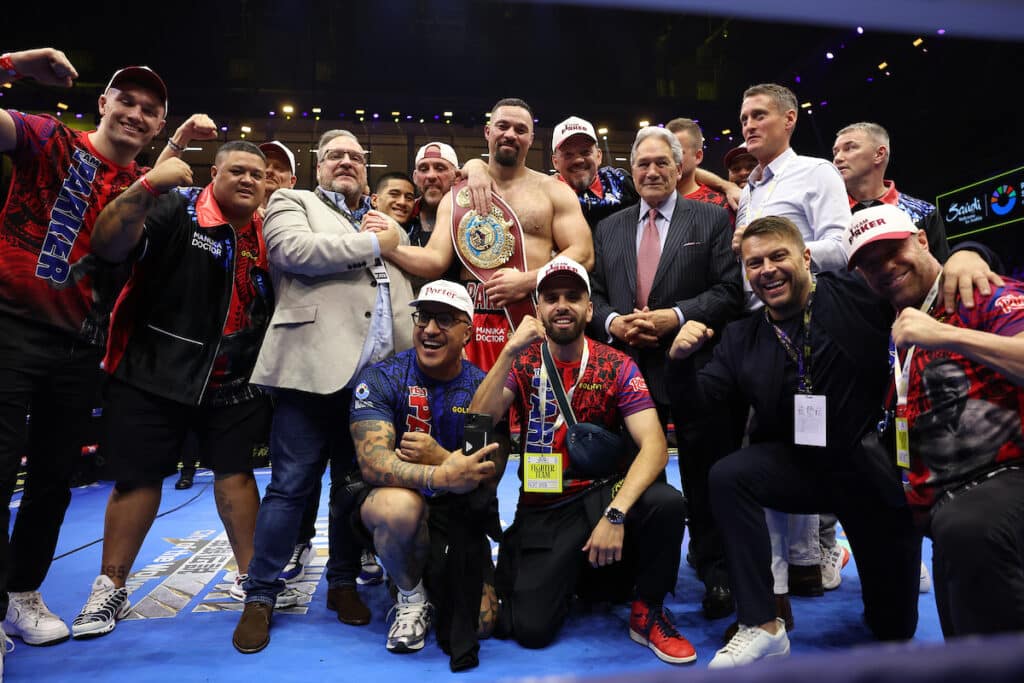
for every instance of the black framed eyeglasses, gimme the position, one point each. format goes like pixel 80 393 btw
pixel 443 320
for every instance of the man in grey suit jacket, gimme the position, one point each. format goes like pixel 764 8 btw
pixel 336 302
pixel 697 278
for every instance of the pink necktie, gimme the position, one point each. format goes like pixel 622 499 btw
pixel 647 259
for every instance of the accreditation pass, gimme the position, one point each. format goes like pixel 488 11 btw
pixel 542 473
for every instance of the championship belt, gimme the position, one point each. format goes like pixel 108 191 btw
pixel 488 242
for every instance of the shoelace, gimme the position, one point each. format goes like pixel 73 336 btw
pixel 36 601
pixel 97 601
pixel 663 620
pixel 408 615
pixel 744 637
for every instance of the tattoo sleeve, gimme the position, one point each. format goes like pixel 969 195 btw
pixel 118 228
pixel 375 450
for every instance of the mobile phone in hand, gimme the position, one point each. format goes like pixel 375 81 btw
pixel 476 433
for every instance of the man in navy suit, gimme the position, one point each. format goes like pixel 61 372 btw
pixel 657 265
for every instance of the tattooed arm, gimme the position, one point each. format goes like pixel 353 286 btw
pixel 381 466
pixel 118 228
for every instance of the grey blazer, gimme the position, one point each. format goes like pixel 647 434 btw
pixel 325 296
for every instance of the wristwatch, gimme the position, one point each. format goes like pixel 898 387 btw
pixel 614 515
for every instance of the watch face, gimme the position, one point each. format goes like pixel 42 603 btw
pixel 615 516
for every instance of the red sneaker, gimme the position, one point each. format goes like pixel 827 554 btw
pixel 655 630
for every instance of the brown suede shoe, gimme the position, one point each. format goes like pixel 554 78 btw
pixel 253 631
pixel 783 610
pixel 346 602
pixel 805 580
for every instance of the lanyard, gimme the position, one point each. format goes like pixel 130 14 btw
pixel 768 190
pixel 801 356
pixel 901 371
pixel 543 388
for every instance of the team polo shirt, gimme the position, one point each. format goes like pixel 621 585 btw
pixel 610 389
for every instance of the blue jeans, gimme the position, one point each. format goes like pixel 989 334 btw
pixel 308 431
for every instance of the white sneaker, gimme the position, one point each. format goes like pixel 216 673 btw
pixel 289 597
pixel 30 619
pixel 925 585
pixel 833 559
pixel 408 631
pixel 370 572
pixel 106 604
pixel 750 644
pixel 296 567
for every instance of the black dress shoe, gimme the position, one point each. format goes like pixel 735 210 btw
pixel 717 602
pixel 184 482
pixel 805 581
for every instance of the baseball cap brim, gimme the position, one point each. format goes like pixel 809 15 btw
pixel 141 76
pixel 889 235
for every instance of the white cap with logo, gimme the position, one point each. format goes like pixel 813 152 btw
pixel 573 125
pixel 882 222
pixel 448 293
pixel 562 266
pixel 273 146
pixel 437 150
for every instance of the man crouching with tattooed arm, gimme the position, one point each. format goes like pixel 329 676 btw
pixel 407 419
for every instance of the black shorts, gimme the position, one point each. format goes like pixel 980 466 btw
pixel 438 515
pixel 144 434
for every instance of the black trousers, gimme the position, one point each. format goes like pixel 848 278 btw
pixel 55 378
pixel 702 443
pixel 978 557
pixel 540 563
pixel 804 480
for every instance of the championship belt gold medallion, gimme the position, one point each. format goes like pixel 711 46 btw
pixel 486 240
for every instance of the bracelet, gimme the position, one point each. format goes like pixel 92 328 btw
pixel 175 146
pixel 7 64
pixel 429 483
pixel 148 186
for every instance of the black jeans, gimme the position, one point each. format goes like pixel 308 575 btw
pixel 540 561
pixel 978 557
pixel 54 378
pixel 805 480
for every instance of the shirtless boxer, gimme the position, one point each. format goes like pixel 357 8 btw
pixel 548 211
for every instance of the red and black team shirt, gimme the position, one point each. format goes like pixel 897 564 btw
pixel 60 185
pixel 610 389
pixel 965 418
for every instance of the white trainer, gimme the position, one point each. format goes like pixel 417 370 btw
pixel 925 584
pixel 106 604
pixel 370 571
pixel 408 631
pixel 296 567
pixel 833 560
pixel 289 597
pixel 30 619
pixel 750 644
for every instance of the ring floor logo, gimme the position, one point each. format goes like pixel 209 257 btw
pixel 203 565
pixel 1003 200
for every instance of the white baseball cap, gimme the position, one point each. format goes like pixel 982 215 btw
pixel 437 150
pixel 573 125
pixel 882 222
pixel 561 266
pixel 275 146
pixel 448 293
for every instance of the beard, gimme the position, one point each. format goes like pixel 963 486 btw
pixel 506 156
pixel 563 336
pixel 580 184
